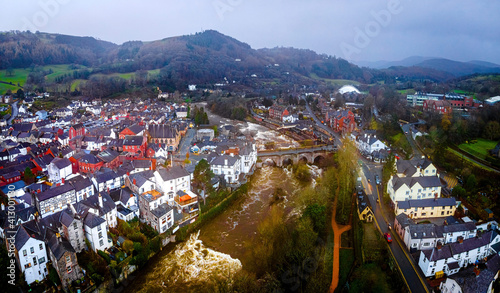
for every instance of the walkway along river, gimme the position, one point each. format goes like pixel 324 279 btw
pixel 219 248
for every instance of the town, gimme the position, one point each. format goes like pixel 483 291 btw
pixel 81 178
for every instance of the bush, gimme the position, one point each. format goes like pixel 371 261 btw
pixel 104 255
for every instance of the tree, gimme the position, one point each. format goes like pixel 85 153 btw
pixel 471 183
pixel 203 177
pixel 9 71
pixel 216 131
pixel 458 192
pixel 28 175
pixel 128 246
pixel 267 102
pixel 492 130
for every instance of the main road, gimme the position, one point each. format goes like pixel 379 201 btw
pixel 412 275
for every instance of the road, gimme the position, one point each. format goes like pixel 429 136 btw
pixel 14 113
pixel 409 269
pixel 326 128
pixel 407 131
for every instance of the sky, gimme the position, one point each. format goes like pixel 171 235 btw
pixel 356 30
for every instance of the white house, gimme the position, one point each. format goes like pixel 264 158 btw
pixel 414 180
pixel 96 232
pixel 248 157
pixel 228 166
pixel 83 187
pixel 292 118
pixel 107 181
pixel 422 237
pixel 450 286
pixel 59 169
pixel 170 180
pixel 448 259
pixel 31 253
pixel 369 144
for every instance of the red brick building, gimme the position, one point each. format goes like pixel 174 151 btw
pixel 131 130
pixel 278 112
pixel 135 144
pixel 441 107
pixel 76 130
pixel 89 164
pixel 343 121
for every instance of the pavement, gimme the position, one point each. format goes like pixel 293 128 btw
pixel 337 238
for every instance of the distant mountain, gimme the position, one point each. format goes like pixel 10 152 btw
pixel 458 68
pixel 410 61
pixel 24 49
pixel 455 68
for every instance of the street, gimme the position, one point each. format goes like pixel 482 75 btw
pixel 410 270
pixel 14 113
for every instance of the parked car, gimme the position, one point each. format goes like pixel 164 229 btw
pixel 377 180
pixel 388 237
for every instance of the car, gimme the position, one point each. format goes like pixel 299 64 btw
pixel 377 180
pixel 388 237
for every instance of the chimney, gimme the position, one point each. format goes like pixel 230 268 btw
pixel 100 201
pixel 439 245
pixel 460 239
pixel 135 182
pixel 72 208
pixel 225 162
pixel 62 180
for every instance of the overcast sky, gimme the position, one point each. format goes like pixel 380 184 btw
pixel 354 30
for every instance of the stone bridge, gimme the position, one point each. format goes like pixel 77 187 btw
pixel 283 157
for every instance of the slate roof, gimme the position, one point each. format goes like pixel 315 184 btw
pixel 423 231
pixel 90 159
pixel 61 163
pixel 469 226
pixel 437 254
pixel 471 243
pixel 428 202
pixel 162 131
pixel 172 173
pixel 161 210
pixel 424 181
pixel 55 191
pixel 121 195
pixel 92 220
pixel 80 183
pixel 108 155
pixel 105 176
pixel 404 220
pixel 221 160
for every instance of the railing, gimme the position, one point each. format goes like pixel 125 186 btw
pixel 186 202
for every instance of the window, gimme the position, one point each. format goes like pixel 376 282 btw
pixel 32 249
pixel 407 193
pixel 99 228
pixel 41 260
pixel 101 242
pixel 442 213
pixel 68 269
pixel 68 258
pixel 34 261
pixel 28 265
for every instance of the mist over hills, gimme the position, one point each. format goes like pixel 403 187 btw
pixel 211 57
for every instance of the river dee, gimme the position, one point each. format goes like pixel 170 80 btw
pixel 219 249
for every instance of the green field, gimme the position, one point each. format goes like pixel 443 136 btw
pixel 339 82
pixel 407 92
pixel 479 149
pixel 20 75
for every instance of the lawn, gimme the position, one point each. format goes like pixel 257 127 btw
pixel 339 82
pixel 346 263
pixel 479 149
pixel 19 76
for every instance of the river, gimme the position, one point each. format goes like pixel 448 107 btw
pixel 219 248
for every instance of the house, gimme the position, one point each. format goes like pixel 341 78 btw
pixel 181 112
pixel 101 205
pixel 414 180
pixel 440 107
pixel 448 259
pixel 31 253
pixel 140 182
pixel 365 213
pixel 342 121
pixel 426 208
pixel 41 115
pixel 450 286
pixel 422 237
pixel 155 211
pixel 369 144
pixel 127 204
pixel 59 169
pixel 68 224
pixel 171 180
pixel 89 163
pixel 63 257
pixel 187 204
pixel 400 223
pixel 165 134
pixel 83 187
pixel 278 112
pixel 135 144
pixel 110 158
pixel 107 181
pixel 248 157
pixel 55 199
pixel 96 232
pixel 134 130
pixel 227 166
pixel 76 130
